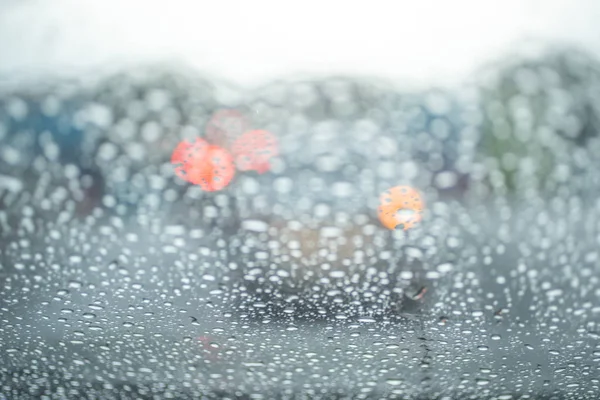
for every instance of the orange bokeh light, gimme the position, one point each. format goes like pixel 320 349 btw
pixel 254 149
pixel 400 207
pixel 200 163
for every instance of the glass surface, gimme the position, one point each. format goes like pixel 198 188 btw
pixel 167 235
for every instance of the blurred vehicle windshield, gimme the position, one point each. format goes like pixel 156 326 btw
pixel 179 227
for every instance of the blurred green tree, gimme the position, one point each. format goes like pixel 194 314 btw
pixel 536 113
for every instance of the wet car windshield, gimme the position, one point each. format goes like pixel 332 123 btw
pixel 166 234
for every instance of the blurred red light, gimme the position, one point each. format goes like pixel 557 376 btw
pixel 225 126
pixel 200 163
pixel 254 149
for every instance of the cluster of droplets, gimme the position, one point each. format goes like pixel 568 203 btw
pixel 119 280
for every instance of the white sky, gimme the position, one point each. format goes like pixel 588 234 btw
pixel 253 41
